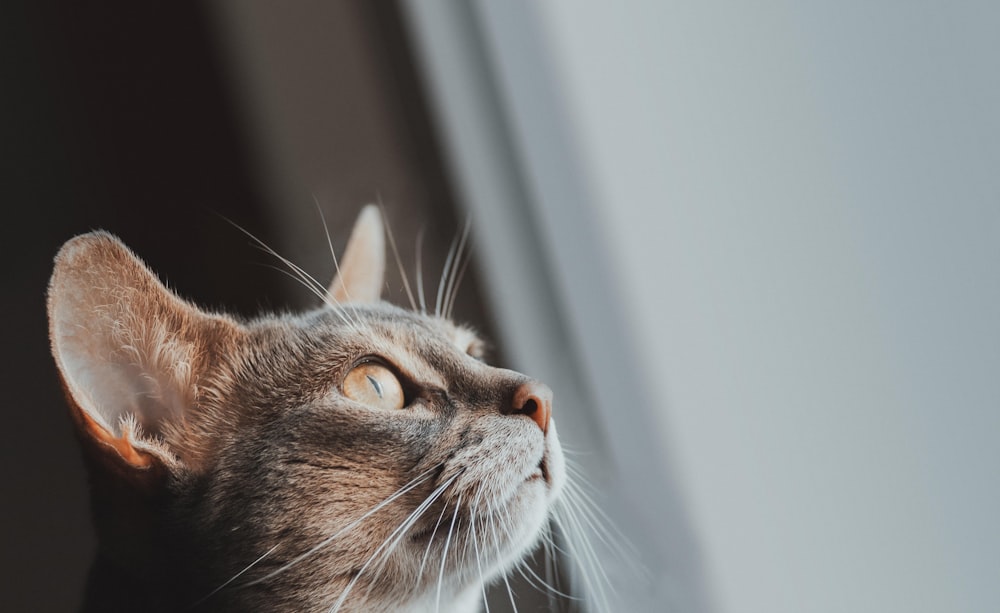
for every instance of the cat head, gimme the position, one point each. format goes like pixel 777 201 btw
pixel 354 456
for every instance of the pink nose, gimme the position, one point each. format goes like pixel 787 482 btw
pixel 534 399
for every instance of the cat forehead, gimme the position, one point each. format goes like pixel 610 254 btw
pixel 399 324
pixel 394 332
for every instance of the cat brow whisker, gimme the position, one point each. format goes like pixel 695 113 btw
pixel 458 283
pixel 333 255
pixel 420 271
pixel 445 274
pixel 306 279
pixel 301 275
pixel 399 261
pixel 341 311
pixel 321 295
pixel 453 273
pixel 268 249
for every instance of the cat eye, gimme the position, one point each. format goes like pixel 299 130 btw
pixel 375 385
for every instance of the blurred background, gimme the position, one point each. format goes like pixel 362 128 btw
pixel 754 249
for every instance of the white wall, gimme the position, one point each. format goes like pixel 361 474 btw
pixel 791 224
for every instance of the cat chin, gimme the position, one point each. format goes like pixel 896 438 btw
pixel 501 537
pixel 477 557
pixel 532 503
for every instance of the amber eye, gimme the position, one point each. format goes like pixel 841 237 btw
pixel 375 385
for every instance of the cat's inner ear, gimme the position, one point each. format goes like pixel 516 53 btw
pixel 362 267
pixel 131 354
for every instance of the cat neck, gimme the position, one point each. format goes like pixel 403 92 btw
pixel 467 601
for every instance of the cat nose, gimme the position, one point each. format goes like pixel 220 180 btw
pixel 534 399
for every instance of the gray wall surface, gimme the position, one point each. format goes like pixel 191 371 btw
pixel 786 218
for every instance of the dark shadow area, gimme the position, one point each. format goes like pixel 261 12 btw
pixel 114 116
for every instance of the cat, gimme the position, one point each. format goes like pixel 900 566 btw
pixel 356 457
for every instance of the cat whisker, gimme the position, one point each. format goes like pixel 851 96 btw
pixel 458 282
pixel 434 497
pixel 301 275
pixel 393 540
pixel 268 249
pixel 347 313
pixel 234 577
pixel 551 570
pixel 579 478
pixel 596 527
pixel 475 544
pixel 420 272
pixel 573 452
pixel 423 561
pixel 592 573
pixel 552 562
pixel 551 575
pixel 550 541
pixel 445 275
pixel 496 546
pixel 444 555
pixel 333 255
pixel 542 585
pixel 580 579
pixel 597 519
pixel 457 272
pixel 399 261
pixel 329 241
pixel 400 492
pixel 322 295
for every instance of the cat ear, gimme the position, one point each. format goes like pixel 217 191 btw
pixel 130 352
pixel 362 267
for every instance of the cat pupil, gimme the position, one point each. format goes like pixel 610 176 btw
pixel 376 385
